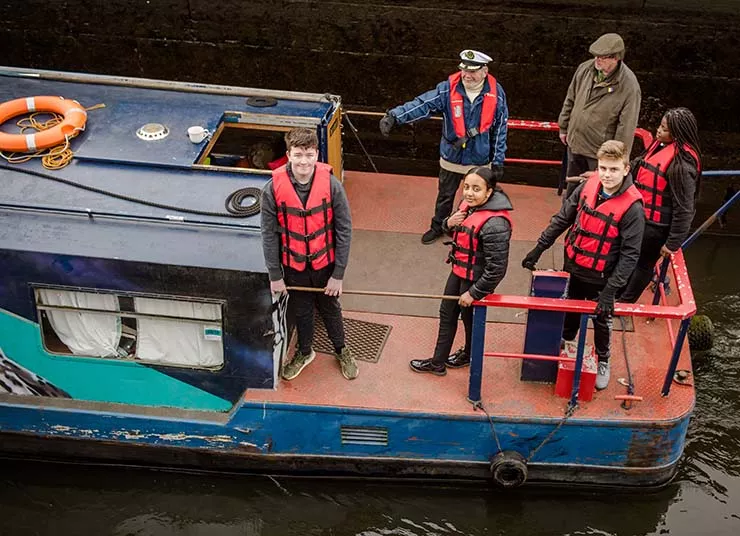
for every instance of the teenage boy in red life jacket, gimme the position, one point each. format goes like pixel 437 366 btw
pixel 605 222
pixel 306 234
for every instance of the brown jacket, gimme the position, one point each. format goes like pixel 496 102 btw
pixel 594 113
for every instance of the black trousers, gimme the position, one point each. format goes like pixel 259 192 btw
pixel 577 164
pixel 449 182
pixel 303 304
pixel 449 312
pixel 584 290
pixel 653 239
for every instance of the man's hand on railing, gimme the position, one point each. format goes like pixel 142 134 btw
pixel 386 124
pixel 605 304
pixel 530 261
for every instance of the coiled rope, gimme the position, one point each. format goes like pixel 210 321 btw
pixel 61 155
pixel 55 157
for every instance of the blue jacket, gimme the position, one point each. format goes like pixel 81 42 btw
pixel 480 150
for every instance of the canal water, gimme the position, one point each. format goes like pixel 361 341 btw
pixel 51 499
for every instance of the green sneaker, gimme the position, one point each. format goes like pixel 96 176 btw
pixel 297 364
pixel 348 364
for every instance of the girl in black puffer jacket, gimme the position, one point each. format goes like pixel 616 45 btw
pixel 480 253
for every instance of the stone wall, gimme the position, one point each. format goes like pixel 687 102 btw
pixel 379 53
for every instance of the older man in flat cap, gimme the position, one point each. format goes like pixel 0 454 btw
pixel 475 114
pixel 603 103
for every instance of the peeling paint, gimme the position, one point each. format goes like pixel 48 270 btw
pixel 135 434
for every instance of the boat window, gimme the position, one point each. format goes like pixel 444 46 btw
pixel 255 148
pixel 157 330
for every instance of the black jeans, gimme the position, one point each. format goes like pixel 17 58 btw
pixel 303 303
pixel 577 164
pixel 449 182
pixel 584 290
pixel 652 240
pixel 449 312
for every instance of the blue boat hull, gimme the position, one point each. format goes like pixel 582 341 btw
pixel 277 439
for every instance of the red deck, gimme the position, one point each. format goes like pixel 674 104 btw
pixel 389 214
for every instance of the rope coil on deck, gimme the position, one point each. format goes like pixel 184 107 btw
pixel 50 139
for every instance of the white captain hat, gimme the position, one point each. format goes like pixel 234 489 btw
pixel 472 60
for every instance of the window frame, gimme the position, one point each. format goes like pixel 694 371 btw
pixel 41 308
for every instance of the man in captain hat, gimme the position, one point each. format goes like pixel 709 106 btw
pixel 602 103
pixel 474 110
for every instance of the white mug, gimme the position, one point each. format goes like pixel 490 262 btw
pixel 198 134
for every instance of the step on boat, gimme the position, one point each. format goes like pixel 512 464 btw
pixel 137 323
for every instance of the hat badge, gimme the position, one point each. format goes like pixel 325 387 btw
pixel 469 54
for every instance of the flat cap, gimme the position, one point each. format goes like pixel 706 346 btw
pixel 472 60
pixel 607 45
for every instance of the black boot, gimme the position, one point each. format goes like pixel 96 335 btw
pixel 458 360
pixel 427 365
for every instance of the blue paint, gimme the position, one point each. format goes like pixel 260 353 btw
pixel 544 328
pixel 309 430
pixel 476 353
pixel 247 315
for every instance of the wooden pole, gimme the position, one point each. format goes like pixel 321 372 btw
pixel 382 293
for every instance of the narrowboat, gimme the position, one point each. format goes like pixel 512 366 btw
pixel 137 323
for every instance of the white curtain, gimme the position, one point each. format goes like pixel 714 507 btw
pixel 84 333
pixel 176 342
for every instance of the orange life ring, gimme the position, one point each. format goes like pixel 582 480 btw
pixel 74 114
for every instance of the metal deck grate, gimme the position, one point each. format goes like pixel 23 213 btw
pixel 365 339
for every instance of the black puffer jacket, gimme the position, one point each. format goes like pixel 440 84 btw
pixel 682 208
pixel 625 250
pixel 493 242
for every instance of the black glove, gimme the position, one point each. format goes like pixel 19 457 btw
pixel 460 142
pixel 386 124
pixel 532 257
pixel 605 304
pixel 498 172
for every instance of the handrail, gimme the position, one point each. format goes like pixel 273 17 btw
pixel 522 124
pixel 683 311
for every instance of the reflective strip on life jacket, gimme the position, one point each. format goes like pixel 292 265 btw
pixel 457 108
pixel 306 232
pixel 596 229
pixel 464 254
pixel 652 182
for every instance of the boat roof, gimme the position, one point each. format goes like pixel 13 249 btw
pixel 53 216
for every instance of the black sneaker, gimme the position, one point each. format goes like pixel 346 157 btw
pixel 427 365
pixel 430 236
pixel 458 360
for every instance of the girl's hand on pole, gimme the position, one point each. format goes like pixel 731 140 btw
pixel 466 300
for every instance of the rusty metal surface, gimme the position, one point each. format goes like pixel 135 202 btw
pixel 28 447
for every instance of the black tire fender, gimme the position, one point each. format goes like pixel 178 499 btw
pixel 509 469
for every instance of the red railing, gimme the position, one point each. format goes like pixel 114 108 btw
pixel 685 309
pixel 526 124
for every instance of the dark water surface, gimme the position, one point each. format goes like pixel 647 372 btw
pixel 49 499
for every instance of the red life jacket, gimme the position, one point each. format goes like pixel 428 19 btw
pixel 306 232
pixel 652 182
pixel 458 110
pixel 595 230
pixel 464 255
